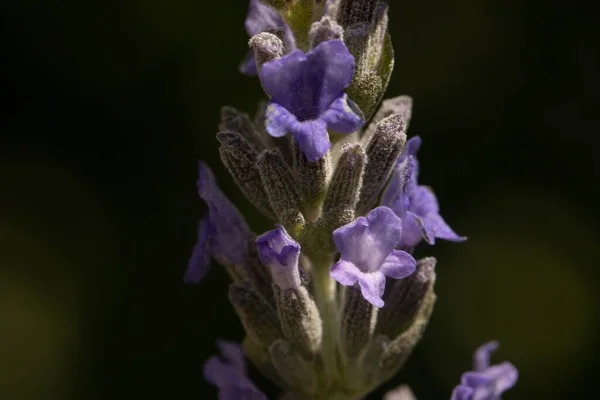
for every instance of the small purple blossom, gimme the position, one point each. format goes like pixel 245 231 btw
pixel 262 18
pixel 222 233
pixel 415 204
pixel 486 382
pixel 367 253
pixel 228 373
pixel 307 96
pixel 278 251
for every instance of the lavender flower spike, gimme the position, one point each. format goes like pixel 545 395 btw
pixel 486 382
pixel 263 18
pixel 367 253
pixel 280 253
pixel 415 204
pixel 307 96
pixel 222 233
pixel 228 373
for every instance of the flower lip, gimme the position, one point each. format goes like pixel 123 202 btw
pixel 276 244
pixel 306 84
pixel 368 241
pixel 278 251
pixel 367 254
pixel 486 382
pixel 307 96
pixel 223 233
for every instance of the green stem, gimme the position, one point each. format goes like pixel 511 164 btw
pixel 325 297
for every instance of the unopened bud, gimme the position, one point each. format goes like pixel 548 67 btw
pixel 267 47
pixel 382 154
pixel 323 30
pixel 406 298
pixel 297 373
pixel 401 105
pixel 239 157
pixel 313 177
pixel 345 187
pixel 354 11
pixel 282 189
pixel 358 322
pixel 257 316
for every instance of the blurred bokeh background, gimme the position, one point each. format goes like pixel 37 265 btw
pixel 108 105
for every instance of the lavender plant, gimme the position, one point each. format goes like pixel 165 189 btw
pixel 331 299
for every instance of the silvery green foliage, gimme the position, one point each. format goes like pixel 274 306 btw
pixel 331 299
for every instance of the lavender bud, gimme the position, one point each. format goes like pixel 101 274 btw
pixel 397 351
pixel 323 30
pixel 233 120
pixel 333 9
pixel 382 154
pixel 282 189
pixel 298 374
pixel 353 11
pixel 257 316
pixel 370 44
pixel 267 47
pixel 300 320
pixel 406 298
pixel 239 157
pixel 345 187
pixel 259 356
pixel 313 177
pixel 358 322
pixel 401 105
pixel 297 311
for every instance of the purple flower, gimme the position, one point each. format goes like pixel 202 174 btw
pixel 367 253
pixel 415 204
pixel 307 96
pixel 278 251
pixel 261 18
pixel 228 373
pixel 222 233
pixel 486 382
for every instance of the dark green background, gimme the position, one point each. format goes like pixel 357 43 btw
pixel 108 105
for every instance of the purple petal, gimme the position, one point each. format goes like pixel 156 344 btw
pixel 280 253
pixel 199 261
pixel 506 377
pixel 332 67
pixel 441 229
pixel 248 65
pixel 481 358
pixel 232 354
pixel 462 392
pixel 372 287
pixel 397 195
pixel 282 79
pixel 230 234
pixel 261 18
pixel 279 121
pixel 308 84
pixel 366 242
pixel 412 146
pixel 228 373
pixel 217 372
pixel 398 265
pixel 312 138
pixel 423 201
pixel 487 382
pixel 343 115
pixel 475 379
pixel 425 229
pixel 345 273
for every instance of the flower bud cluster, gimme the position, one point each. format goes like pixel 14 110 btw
pixel 331 299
